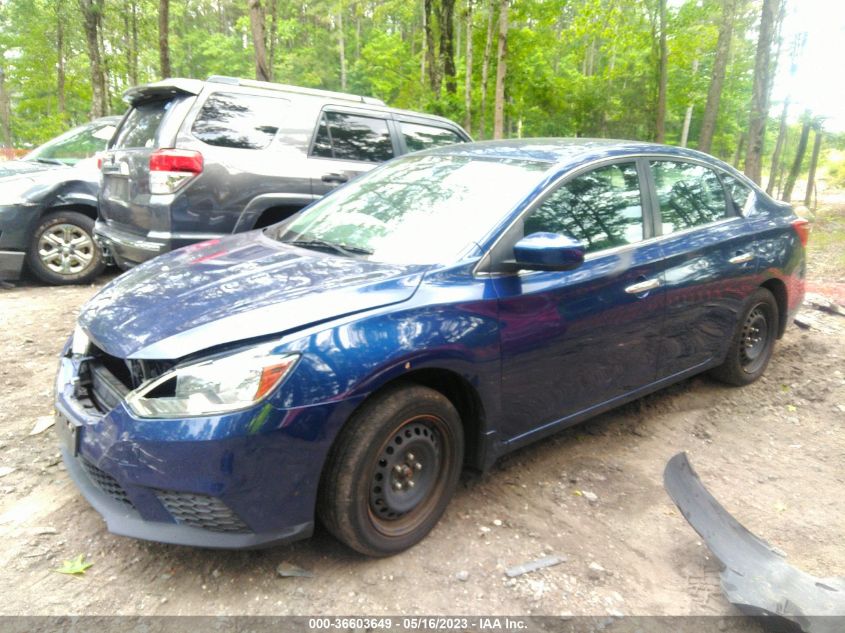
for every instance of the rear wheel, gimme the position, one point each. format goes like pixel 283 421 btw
pixel 753 341
pixel 392 471
pixel 62 249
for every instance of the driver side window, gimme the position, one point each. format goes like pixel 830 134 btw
pixel 602 208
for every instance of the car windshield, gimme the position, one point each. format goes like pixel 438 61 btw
pixel 417 210
pixel 73 146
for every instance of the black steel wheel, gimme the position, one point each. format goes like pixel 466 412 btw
pixel 392 471
pixel 753 342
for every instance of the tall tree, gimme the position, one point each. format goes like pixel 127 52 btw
pixel 760 96
pixel 92 21
pixel 717 81
pixel 259 42
pixel 485 70
pixel 776 155
pixel 795 52
pixel 447 44
pixel 663 75
pixel 430 53
pixel 164 38
pixel 341 42
pixel 468 73
pixel 501 72
pixel 5 111
pixel 814 162
pixel 795 170
pixel 688 113
pixel 60 57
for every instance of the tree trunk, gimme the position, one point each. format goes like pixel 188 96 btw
pixel 501 71
pixel 485 70
pixel 447 43
pixel 259 41
pixel 778 148
pixel 430 60
pixel 814 161
pixel 92 17
pixel 271 37
pixel 60 59
pixel 660 123
pixel 468 77
pixel 795 171
pixel 720 64
pixel 424 52
pixel 740 145
pixel 133 73
pixel 164 38
pixel 5 113
pixel 688 114
pixel 342 46
pixel 760 94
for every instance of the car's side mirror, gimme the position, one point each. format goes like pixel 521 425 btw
pixel 547 251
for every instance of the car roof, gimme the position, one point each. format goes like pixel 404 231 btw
pixel 175 86
pixel 565 152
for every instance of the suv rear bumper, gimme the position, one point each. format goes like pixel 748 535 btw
pixel 130 249
pixel 127 249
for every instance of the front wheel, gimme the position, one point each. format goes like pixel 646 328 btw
pixel 62 249
pixel 392 471
pixel 753 341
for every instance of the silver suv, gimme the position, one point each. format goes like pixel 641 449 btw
pixel 194 160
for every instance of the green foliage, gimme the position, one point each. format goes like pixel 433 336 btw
pixel 574 67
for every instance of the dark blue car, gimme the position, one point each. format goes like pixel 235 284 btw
pixel 440 311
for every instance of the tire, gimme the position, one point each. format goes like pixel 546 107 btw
pixel 62 249
pixel 392 471
pixel 753 342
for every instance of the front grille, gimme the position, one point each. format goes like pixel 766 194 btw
pixel 105 482
pixel 108 379
pixel 201 511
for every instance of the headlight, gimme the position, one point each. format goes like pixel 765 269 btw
pixel 219 385
pixel 80 343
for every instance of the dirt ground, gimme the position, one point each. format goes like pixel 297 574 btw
pixel 773 453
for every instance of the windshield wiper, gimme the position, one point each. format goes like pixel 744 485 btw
pixel 49 161
pixel 342 249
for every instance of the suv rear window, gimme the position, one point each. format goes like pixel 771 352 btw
pixel 418 137
pixel 353 137
pixel 238 120
pixel 141 125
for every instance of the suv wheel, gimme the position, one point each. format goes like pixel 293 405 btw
pixel 62 249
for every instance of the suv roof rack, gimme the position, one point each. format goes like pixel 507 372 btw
pixel 267 85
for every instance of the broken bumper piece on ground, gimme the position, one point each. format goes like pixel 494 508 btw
pixel 756 577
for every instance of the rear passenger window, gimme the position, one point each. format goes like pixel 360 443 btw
pixel 241 121
pixel 689 195
pixel 418 137
pixel 141 125
pixel 352 137
pixel 739 192
pixel 602 208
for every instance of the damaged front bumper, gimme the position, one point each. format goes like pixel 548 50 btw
pixel 756 577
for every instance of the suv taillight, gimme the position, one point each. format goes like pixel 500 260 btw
pixel 172 168
pixel 802 228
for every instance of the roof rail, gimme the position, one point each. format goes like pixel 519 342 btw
pixel 267 85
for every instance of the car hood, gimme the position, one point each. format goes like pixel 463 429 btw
pixel 232 289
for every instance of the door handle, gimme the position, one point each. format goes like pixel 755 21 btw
pixel 741 258
pixel 338 178
pixel 643 286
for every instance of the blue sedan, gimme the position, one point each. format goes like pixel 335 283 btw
pixel 446 308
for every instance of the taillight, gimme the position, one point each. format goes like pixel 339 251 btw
pixel 802 228
pixel 172 168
